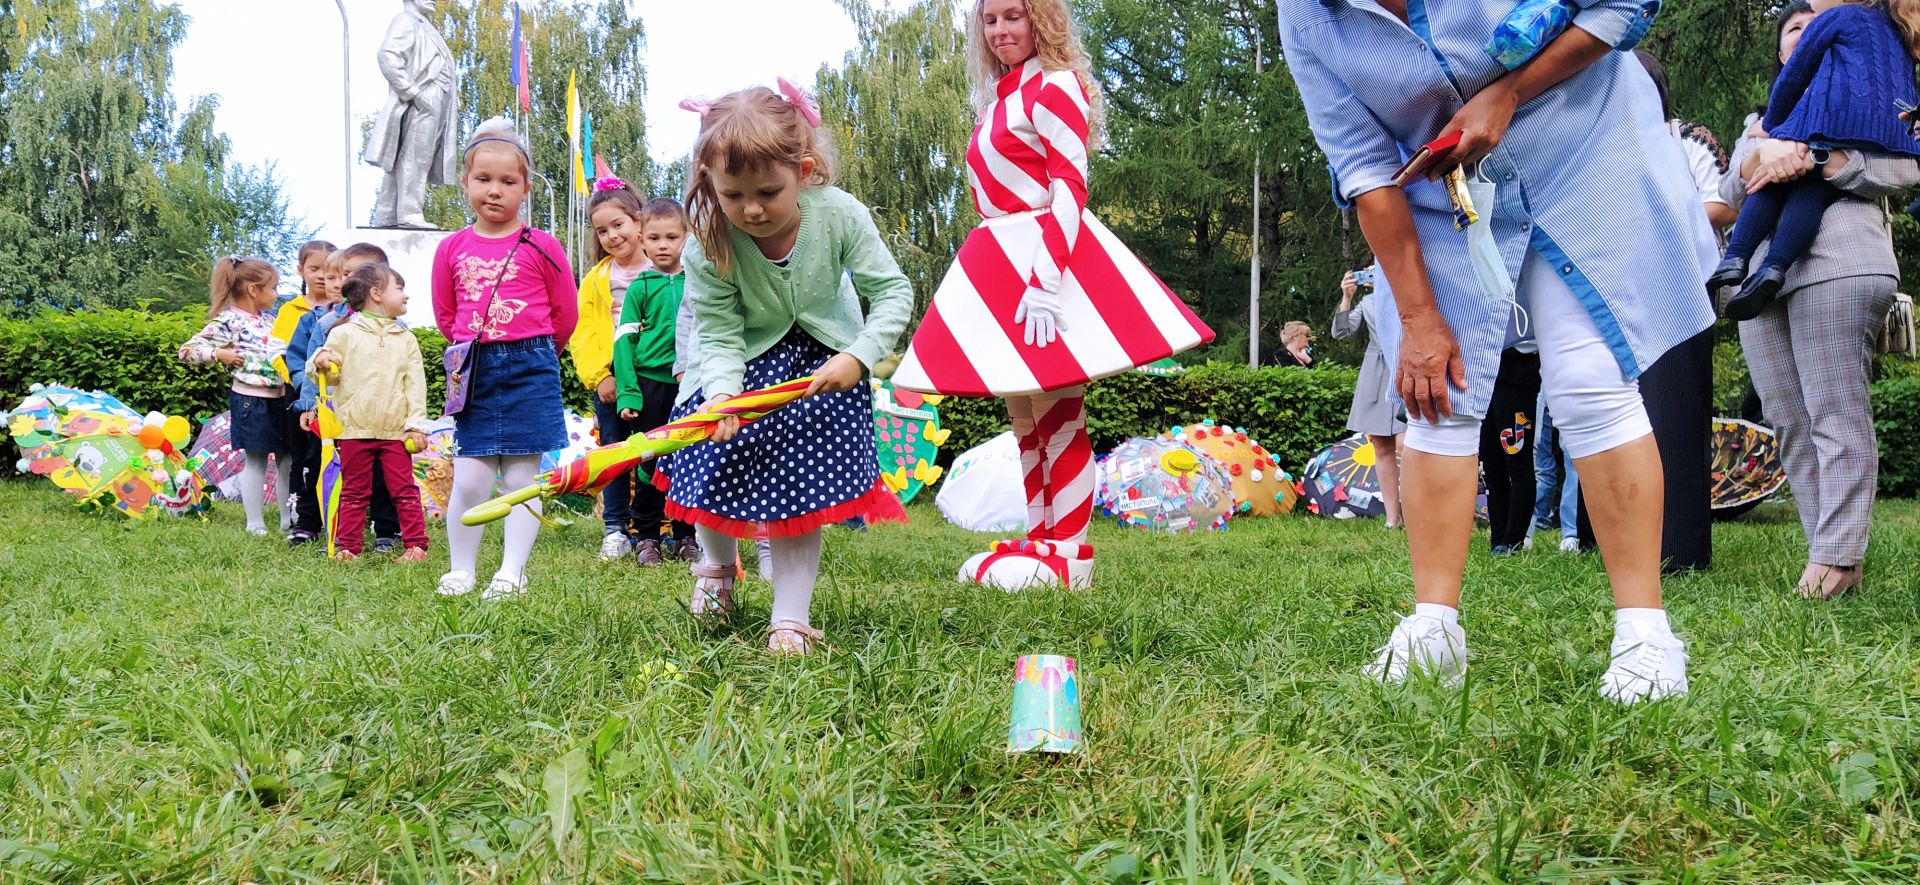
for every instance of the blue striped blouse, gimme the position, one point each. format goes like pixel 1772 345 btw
pixel 1587 174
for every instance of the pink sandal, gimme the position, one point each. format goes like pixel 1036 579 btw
pixel 713 592
pixel 792 638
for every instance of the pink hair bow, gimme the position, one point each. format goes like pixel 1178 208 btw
pixel 797 97
pixel 697 105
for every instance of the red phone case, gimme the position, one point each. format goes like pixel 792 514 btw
pixel 1430 153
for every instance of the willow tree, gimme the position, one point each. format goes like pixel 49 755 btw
pixel 898 108
pixel 109 194
pixel 600 41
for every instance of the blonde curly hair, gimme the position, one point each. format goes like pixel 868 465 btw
pixel 1056 41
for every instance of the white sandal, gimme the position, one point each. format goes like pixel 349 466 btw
pixel 504 587
pixel 455 584
pixel 792 638
pixel 713 591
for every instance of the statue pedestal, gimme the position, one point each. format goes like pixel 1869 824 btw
pixel 408 251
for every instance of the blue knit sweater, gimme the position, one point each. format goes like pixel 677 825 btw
pixel 1841 82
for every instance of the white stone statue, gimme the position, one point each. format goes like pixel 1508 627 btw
pixel 416 139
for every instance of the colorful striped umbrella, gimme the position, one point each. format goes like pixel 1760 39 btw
pixel 326 424
pixel 592 471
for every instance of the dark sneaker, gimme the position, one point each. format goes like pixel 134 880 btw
pixel 386 545
pixel 298 538
pixel 690 551
pixel 647 553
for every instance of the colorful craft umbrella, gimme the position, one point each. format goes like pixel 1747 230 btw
pixel 582 435
pixel 592 471
pixel 1745 467
pixel 220 464
pixel 907 432
pixel 433 468
pixel 326 425
pixel 1340 481
pixel 1260 487
pixel 1164 485
pixel 58 411
pixel 115 470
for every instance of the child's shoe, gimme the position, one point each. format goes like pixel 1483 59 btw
pixel 300 538
pixel 1569 545
pixel 792 638
pixel 1422 644
pixel 386 545
pixel 455 584
pixel 689 551
pixel 504 587
pixel 713 590
pixel 1649 663
pixel 413 554
pixel 646 554
pixel 258 531
pixel 615 547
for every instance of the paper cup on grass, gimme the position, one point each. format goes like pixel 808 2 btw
pixel 1046 705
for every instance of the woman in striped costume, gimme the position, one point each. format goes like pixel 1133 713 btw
pixel 1042 297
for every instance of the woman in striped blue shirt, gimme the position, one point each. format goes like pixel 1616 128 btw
pixel 1590 213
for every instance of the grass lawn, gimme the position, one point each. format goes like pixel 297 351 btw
pixel 179 701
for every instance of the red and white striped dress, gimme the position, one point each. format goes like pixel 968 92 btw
pixel 1027 169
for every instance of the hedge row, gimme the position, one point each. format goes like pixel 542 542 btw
pixel 130 354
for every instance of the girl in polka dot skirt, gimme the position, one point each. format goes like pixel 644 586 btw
pixel 779 263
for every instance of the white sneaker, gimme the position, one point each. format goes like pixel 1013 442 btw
pixel 615 546
pixel 455 584
pixel 1647 666
pixel 1422 644
pixel 1569 545
pixel 258 531
pixel 504 587
pixel 1526 543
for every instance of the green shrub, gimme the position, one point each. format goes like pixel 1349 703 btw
pixel 1896 420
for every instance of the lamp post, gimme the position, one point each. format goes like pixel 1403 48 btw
pixel 1253 295
pixel 346 110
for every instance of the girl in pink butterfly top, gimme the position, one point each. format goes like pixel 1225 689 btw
pixel 1042 297
pixel 513 413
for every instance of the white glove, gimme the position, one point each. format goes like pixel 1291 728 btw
pixel 1040 315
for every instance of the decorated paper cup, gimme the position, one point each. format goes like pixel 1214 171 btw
pixel 1046 705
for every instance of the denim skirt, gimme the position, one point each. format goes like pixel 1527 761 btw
pixel 256 423
pixel 513 406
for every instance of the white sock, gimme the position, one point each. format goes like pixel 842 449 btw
pixel 1447 614
pixel 1653 620
pixel 796 567
pixel 523 527
pixel 472 485
pixel 283 488
pixel 716 548
pixel 253 490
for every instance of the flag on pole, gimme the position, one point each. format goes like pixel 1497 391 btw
pixel 573 132
pixel 518 77
pixel 586 144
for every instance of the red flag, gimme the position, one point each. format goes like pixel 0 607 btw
pixel 519 74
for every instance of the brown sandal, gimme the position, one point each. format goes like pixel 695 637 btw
pixel 1834 581
pixel 792 638
pixel 713 591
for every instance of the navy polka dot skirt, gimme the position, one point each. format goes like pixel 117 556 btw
pixel 810 463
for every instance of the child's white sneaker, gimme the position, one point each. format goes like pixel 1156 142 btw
pixel 1422 644
pixel 615 546
pixel 504 586
pixel 1649 663
pixel 258 531
pixel 455 584
pixel 1569 545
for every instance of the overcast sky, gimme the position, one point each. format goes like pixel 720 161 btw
pixel 280 102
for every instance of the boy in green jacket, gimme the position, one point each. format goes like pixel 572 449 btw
pixel 643 360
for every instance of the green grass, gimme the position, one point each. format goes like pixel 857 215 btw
pixel 180 702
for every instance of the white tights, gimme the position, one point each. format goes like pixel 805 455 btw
pixel 796 568
pixel 473 480
pixel 253 490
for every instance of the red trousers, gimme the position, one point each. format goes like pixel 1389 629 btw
pixel 359 458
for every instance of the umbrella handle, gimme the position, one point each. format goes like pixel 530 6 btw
pixel 498 508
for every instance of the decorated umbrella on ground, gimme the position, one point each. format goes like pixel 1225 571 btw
pixel 984 491
pixel 1260 487
pixel 135 470
pixel 1340 481
pixel 1746 467
pixel 582 435
pixel 1163 485
pixel 58 411
pixel 220 464
pixel 593 470
pixel 433 468
pixel 907 431
pixel 1166 368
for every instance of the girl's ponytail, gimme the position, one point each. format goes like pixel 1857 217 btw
pixel 231 276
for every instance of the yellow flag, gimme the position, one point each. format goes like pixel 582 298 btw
pixel 573 134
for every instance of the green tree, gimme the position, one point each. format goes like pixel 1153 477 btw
pixel 106 197
pixel 600 41
pixel 898 110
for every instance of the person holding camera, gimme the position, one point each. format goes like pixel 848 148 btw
pixel 1374 412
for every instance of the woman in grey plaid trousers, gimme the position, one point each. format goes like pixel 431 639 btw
pixel 1811 351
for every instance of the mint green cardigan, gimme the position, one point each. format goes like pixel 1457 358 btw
pixel 744 317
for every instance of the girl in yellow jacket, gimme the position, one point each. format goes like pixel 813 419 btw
pixel 615 213
pixel 381 401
